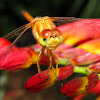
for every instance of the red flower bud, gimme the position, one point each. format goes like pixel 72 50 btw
pixel 18 59
pixel 80 85
pixel 6 43
pixel 48 79
pixel 93 80
pixel 65 72
pixel 35 83
pixel 45 60
pixel 95 90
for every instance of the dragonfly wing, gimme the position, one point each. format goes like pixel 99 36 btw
pixel 16 32
pixel 64 20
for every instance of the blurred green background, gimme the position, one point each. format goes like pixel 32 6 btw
pixel 11 18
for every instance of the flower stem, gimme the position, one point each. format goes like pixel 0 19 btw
pixel 83 70
pixel 62 61
pixel 99 76
pixel 77 69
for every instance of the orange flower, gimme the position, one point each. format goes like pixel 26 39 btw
pixel 92 48
pixel 95 67
pixel 80 31
pixel 71 53
pixel 85 59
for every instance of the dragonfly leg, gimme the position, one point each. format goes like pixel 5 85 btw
pixel 38 59
pixel 50 60
pixel 69 60
pixel 56 60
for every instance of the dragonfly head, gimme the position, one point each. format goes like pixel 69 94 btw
pixel 50 38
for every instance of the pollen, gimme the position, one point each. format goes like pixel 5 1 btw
pixel 52 43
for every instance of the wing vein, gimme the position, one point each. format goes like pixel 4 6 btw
pixel 15 32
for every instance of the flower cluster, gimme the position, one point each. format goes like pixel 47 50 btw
pixel 81 43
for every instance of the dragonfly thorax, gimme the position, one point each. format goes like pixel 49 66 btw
pixel 42 23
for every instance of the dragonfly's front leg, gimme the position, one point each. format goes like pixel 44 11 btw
pixel 38 59
pixel 56 60
pixel 50 60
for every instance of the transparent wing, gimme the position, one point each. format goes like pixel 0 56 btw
pixel 17 31
pixel 58 20
pixel 64 20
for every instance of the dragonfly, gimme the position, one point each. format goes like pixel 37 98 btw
pixel 45 32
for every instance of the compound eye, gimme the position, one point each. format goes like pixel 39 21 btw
pixel 45 33
pixel 44 39
pixel 57 32
pixel 43 36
